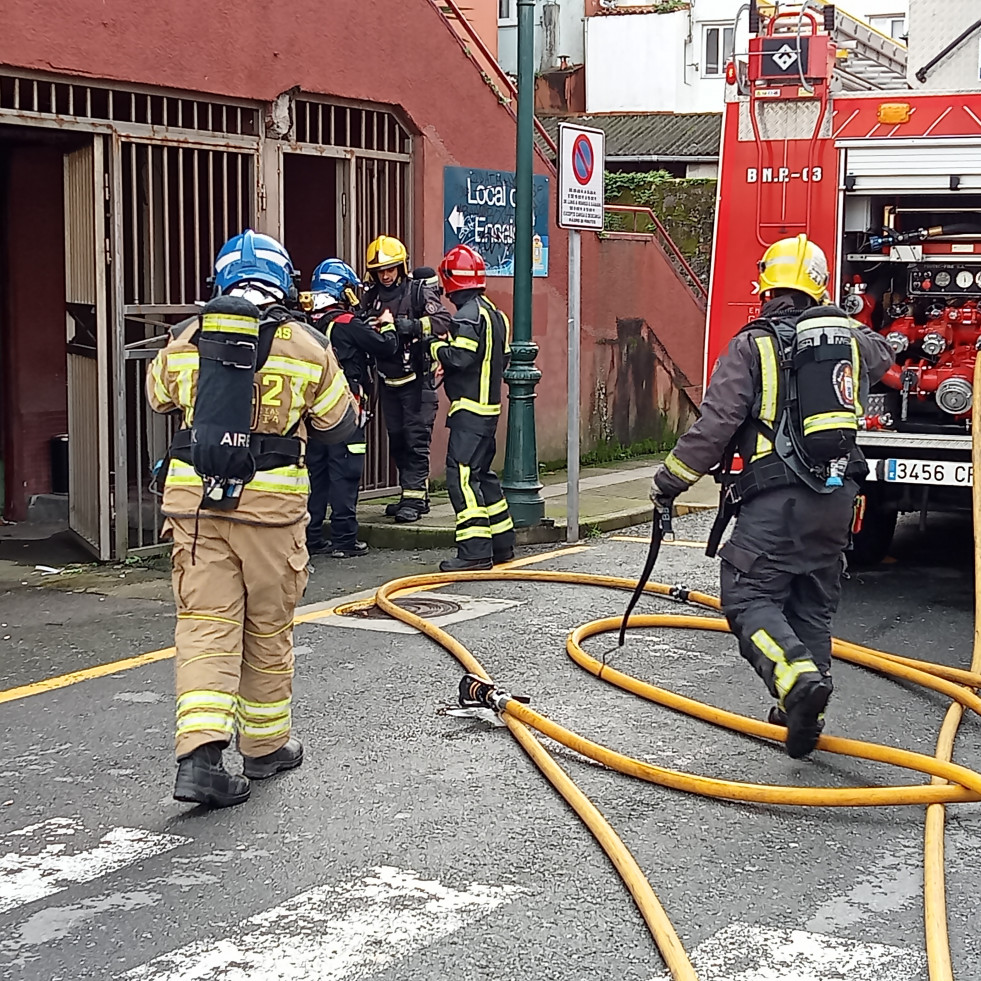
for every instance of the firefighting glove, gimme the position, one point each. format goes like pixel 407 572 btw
pixel 665 487
pixel 408 327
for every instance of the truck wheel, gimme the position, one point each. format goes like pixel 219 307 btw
pixel 871 545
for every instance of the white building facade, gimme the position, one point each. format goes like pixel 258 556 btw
pixel 639 60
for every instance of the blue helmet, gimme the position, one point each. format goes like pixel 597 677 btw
pixel 338 281
pixel 254 258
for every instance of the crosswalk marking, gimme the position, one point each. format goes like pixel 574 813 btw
pixel 742 952
pixel 39 873
pixel 332 932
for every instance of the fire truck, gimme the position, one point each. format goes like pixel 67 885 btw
pixel 872 147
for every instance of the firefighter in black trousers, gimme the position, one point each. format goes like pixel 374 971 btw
pixel 408 392
pixel 781 568
pixel 336 470
pixel 473 356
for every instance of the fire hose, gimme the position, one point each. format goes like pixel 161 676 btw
pixel 949 782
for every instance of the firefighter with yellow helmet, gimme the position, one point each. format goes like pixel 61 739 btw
pixel 787 398
pixel 250 384
pixel 408 389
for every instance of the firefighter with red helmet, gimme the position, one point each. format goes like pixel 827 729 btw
pixel 800 372
pixel 408 390
pixel 473 355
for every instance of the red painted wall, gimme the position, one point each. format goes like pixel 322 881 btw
pixel 35 400
pixel 398 52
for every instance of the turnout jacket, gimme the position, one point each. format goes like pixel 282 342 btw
pixel 473 357
pixel 415 301
pixel 299 385
pixel 354 344
pixel 738 393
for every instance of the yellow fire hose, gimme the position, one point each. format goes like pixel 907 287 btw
pixel 949 782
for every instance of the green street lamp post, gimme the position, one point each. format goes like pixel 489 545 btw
pixel 522 488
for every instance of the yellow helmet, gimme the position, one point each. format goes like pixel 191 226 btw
pixel 385 253
pixel 795 264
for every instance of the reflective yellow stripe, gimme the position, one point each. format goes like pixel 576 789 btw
pixel 182 359
pixel 468 495
pixel 275 633
pixel 467 343
pixel 399 382
pixel 679 469
pixel 427 326
pixel 468 514
pixel 278 671
pixel 768 397
pixel 856 369
pixel 295 367
pixel 357 448
pixel 785 672
pixel 811 323
pixel 414 495
pixel 502 526
pixel 263 710
pixel 498 507
pixel 822 421
pixel 227 323
pixel 334 393
pixel 436 346
pixel 281 480
pixel 386 329
pixel 475 531
pixel 218 701
pixel 477 408
pixel 204 722
pixel 485 367
pixel 159 390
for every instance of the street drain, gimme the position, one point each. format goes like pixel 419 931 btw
pixel 427 607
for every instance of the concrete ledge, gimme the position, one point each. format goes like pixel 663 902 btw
pixel 389 534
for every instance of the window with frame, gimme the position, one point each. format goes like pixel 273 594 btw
pixel 507 12
pixel 892 25
pixel 718 48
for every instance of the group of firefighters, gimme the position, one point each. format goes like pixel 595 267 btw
pixel 271 402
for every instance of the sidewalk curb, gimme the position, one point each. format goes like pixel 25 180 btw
pixel 415 536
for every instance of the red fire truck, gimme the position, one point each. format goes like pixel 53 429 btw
pixel 874 150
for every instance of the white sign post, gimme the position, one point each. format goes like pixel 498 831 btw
pixel 582 163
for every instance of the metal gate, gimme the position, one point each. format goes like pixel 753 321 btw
pixel 89 457
pixel 374 155
pixel 176 202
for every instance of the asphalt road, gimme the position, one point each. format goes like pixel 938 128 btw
pixel 413 843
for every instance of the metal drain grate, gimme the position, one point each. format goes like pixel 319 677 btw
pixel 427 607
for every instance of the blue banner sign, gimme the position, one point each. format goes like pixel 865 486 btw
pixel 478 210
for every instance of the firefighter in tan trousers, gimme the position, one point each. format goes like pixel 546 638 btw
pixel 239 554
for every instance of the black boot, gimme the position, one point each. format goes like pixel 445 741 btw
pixel 287 757
pixel 203 779
pixel 804 708
pixel 466 565
pixel 506 555
pixel 392 509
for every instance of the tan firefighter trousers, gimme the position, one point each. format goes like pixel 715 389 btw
pixel 236 587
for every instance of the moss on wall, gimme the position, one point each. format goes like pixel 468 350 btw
pixel 685 206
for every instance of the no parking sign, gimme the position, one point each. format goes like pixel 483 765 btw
pixel 581 164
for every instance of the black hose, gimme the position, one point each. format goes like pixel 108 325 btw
pixel 921 75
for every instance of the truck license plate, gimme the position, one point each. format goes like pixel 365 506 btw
pixel 928 472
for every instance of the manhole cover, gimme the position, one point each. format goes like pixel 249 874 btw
pixel 427 607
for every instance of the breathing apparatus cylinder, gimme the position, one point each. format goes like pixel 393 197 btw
pixel 227 343
pixel 826 369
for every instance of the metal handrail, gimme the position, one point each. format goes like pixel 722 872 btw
pixel 492 61
pixel 667 241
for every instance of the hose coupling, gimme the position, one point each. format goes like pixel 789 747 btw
pixel 679 593
pixel 477 692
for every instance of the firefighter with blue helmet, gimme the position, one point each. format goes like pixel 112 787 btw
pixel 791 382
pixel 336 470
pixel 251 385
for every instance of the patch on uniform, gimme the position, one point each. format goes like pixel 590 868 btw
pixel 843 380
pixel 432 306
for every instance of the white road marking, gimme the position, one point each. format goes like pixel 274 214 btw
pixel 332 932
pixel 52 868
pixel 742 952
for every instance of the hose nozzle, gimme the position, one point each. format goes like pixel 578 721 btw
pixel 477 692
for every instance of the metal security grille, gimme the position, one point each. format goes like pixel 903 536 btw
pixel 176 204
pixel 39 96
pixel 376 150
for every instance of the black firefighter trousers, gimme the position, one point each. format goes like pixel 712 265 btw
pixel 483 523
pixel 781 582
pixel 410 411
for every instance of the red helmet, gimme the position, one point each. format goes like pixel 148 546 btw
pixel 462 268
